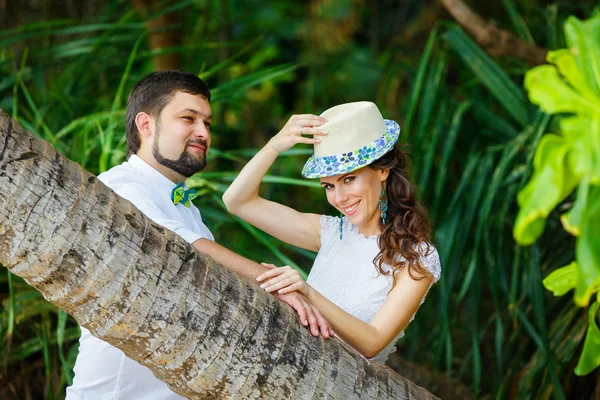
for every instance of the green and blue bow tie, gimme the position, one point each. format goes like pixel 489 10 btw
pixel 180 195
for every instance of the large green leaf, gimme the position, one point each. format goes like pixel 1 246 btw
pixel 571 85
pixel 590 357
pixel 583 37
pixel 565 61
pixel 587 250
pixel 561 280
pixel 552 181
pixel 583 137
pixel 552 94
pixel 572 219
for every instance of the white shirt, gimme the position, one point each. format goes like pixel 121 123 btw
pixel 344 273
pixel 103 372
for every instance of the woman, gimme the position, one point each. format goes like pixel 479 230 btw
pixel 375 263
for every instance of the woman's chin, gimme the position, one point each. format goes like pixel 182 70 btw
pixel 355 219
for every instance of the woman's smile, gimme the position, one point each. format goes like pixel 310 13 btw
pixel 350 210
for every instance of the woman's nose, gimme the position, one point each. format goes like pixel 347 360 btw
pixel 340 196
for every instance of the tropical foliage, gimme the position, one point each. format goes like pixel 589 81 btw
pixel 465 117
pixel 564 162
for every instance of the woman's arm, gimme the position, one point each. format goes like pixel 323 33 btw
pixel 242 197
pixel 367 338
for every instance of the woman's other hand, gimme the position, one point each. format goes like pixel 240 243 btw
pixel 283 280
pixel 297 130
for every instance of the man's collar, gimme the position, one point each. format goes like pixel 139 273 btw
pixel 156 179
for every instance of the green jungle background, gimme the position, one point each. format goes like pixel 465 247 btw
pixel 489 329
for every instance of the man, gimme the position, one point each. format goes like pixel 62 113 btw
pixel 168 136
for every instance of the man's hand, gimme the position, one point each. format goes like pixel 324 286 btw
pixel 308 315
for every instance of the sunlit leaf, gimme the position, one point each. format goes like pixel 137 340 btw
pixel 583 37
pixel 517 20
pixel 587 251
pixel 561 280
pixel 583 136
pixel 572 219
pixel 590 356
pixel 551 93
pixel 552 181
pixel 567 66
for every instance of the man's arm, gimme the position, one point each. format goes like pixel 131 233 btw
pixel 250 270
pixel 247 269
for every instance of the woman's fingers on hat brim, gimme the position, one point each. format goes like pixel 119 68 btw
pixel 315 121
pixel 311 131
pixel 308 116
pixel 308 140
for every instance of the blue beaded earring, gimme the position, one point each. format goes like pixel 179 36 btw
pixel 341 224
pixel 383 205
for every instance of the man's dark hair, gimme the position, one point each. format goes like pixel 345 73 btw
pixel 152 93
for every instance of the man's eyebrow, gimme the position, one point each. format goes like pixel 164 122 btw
pixel 196 112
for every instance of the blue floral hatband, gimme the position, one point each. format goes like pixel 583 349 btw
pixel 319 167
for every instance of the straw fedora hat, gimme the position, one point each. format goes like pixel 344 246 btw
pixel 357 136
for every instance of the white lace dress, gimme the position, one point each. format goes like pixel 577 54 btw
pixel 344 273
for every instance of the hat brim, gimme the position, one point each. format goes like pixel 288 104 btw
pixel 320 167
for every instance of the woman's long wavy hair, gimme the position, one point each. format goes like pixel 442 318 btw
pixel 407 231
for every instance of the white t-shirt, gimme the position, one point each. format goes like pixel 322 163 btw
pixel 103 372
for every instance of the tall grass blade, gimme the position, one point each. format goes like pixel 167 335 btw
pixel 420 76
pixel 475 303
pixel 509 95
pixel 473 160
pixel 67 368
pixel 34 345
pixel 45 339
pixel 39 119
pixel 241 85
pixel 499 345
pixel 77 68
pixel 11 306
pixel 221 65
pixel 503 129
pixel 537 300
pixel 448 148
pixel 429 159
pixel 431 96
pixel 517 21
pixel 15 109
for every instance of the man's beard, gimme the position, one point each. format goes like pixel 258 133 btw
pixel 186 165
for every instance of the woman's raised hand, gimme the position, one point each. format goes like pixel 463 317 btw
pixel 298 129
pixel 283 280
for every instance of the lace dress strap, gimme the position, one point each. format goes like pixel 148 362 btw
pixel 431 260
pixel 328 222
pixel 330 229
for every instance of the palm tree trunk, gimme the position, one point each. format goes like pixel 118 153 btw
pixel 199 328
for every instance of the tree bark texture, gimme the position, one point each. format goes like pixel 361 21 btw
pixel 200 328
